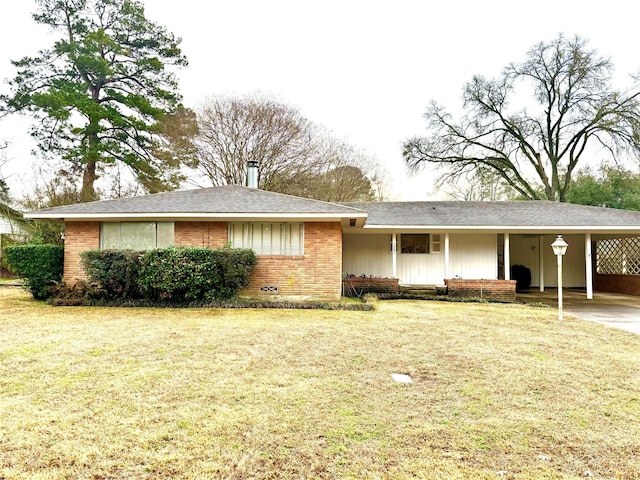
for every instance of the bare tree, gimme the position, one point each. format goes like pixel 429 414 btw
pixel 234 130
pixel 294 156
pixel 344 174
pixel 535 152
pixel 51 187
pixel 483 184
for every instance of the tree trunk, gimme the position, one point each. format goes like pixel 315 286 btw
pixel 88 193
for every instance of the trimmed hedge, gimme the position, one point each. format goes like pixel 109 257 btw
pixel 195 273
pixel 40 265
pixel 115 271
pixel 168 274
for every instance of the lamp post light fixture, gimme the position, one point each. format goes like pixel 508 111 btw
pixel 559 249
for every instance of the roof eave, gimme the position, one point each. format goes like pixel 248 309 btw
pixel 190 216
pixel 546 229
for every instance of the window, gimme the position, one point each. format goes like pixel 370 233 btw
pixel 268 238
pixel 135 235
pixel 420 243
pixel 414 243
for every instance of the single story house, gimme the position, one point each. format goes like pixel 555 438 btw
pixel 12 228
pixel 12 222
pixel 306 247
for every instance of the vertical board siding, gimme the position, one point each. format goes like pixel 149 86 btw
pixel 421 268
pixel 474 256
pixel 525 251
pixel 367 254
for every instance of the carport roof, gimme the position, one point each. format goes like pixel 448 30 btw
pixel 520 214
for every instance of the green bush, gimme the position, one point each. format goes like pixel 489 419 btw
pixel 180 274
pixel 114 271
pixel 40 265
pixel 7 241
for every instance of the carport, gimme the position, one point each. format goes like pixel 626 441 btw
pixel 611 309
pixel 595 261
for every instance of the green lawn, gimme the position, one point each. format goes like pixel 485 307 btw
pixel 500 391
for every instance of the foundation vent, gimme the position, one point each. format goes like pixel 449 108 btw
pixel 269 289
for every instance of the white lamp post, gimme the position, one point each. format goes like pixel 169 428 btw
pixel 559 249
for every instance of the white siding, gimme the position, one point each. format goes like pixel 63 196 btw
pixel 474 256
pixel 421 268
pixel 525 251
pixel 11 227
pixel 367 254
pixel 5 226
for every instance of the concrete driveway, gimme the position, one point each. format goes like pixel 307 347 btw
pixel 612 309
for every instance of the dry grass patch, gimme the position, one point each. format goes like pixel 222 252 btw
pixel 500 391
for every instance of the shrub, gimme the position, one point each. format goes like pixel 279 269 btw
pixel 115 272
pixel 7 241
pixel 40 265
pixel 71 295
pixel 195 273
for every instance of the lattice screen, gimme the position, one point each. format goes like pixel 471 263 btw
pixel 619 256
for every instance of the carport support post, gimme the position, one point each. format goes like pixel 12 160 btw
pixel 589 265
pixel 446 256
pixel 541 261
pixel 507 257
pixel 394 255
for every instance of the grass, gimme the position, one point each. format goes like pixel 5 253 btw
pixel 500 391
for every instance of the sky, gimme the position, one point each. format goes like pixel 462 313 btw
pixel 364 69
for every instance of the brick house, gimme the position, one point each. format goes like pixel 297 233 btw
pixel 305 247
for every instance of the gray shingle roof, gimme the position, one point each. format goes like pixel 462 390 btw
pixel 477 214
pixel 233 199
pixel 229 199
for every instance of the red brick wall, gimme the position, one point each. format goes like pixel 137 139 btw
pixel 627 284
pixel 503 290
pixel 355 286
pixel 200 234
pixel 78 237
pixel 317 274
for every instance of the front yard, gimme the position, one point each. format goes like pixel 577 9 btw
pixel 499 391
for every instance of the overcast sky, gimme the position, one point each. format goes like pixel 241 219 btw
pixel 364 69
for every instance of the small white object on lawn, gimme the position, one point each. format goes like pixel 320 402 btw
pixel 401 378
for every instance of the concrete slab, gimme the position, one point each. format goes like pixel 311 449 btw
pixel 612 309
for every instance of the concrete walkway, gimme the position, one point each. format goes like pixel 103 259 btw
pixel 612 309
